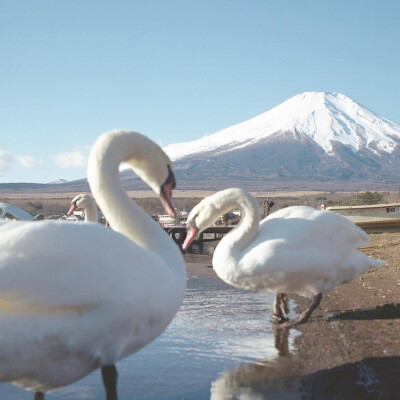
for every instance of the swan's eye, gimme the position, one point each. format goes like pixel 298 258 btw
pixel 192 222
pixel 170 178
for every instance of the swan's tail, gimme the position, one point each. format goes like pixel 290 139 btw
pixel 376 263
pixel 359 263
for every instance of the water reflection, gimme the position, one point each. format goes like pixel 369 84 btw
pixel 218 329
pixel 272 380
pixel 268 379
pixel 202 248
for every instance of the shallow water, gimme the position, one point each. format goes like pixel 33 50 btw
pixel 219 336
pixel 202 248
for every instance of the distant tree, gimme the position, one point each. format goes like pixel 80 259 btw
pixel 35 206
pixel 366 198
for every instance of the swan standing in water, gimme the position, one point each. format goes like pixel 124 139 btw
pixel 77 297
pixel 294 250
pixel 86 202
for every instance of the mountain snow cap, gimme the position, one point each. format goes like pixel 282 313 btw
pixel 323 116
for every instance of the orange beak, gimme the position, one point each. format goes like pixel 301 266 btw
pixel 72 209
pixel 166 193
pixel 166 198
pixel 191 235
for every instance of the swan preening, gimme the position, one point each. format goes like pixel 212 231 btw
pixel 294 250
pixel 76 297
pixel 86 202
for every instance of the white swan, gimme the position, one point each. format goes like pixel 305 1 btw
pixel 86 202
pixel 76 297
pixel 294 250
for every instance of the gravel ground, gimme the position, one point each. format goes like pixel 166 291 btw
pixel 350 348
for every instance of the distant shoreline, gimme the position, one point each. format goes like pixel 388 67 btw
pixel 141 194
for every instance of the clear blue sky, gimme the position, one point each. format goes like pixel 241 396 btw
pixel 176 70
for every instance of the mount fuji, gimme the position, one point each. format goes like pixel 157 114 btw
pixel 312 140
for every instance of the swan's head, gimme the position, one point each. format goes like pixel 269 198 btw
pixel 156 170
pixel 80 201
pixel 202 216
pixel 212 207
pixel 145 157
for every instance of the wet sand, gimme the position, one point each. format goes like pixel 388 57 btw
pixel 350 348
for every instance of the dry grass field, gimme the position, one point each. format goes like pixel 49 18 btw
pixel 58 203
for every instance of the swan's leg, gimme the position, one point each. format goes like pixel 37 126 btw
pixel 281 305
pixel 285 303
pixel 281 340
pixel 109 373
pixel 39 396
pixel 305 315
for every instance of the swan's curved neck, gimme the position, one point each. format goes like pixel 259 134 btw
pixel 123 214
pixel 91 212
pixel 244 233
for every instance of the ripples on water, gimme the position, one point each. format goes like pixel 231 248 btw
pixel 218 330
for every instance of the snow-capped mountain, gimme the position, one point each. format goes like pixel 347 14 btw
pixel 311 141
pixel 323 117
pixel 312 137
pixel 58 182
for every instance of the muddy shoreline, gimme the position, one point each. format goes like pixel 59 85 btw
pixel 350 348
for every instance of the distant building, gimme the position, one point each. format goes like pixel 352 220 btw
pixel 74 217
pixel 183 215
pixel 166 220
pixel 79 215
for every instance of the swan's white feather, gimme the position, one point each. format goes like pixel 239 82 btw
pixel 296 250
pixel 87 307
pixel 74 297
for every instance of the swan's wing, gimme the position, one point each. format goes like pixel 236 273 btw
pixel 304 250
pixel 58 264
pixel 76 295
pixel 305 226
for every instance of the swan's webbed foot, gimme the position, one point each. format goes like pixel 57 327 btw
pixel 39 396
pixel 281 307
pixel 110 374
pixel 305 315
pixel 276 319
